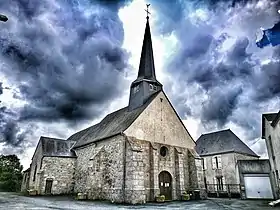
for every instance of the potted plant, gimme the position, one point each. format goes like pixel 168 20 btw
pixel 185 196
pixel 160 198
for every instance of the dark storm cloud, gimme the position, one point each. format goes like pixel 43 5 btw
pixel 65 58
pixel 267 81
pixel 220 106
pixel 10 132
pixel 217 52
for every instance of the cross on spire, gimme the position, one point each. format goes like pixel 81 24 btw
pixel 147 10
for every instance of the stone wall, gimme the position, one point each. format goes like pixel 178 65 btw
pixel 25 181
pixel 196 181
pixel 35 166
pixel 61 170
pixel 144 164
pixel 100 171
pixel 159 123
pixel 137 176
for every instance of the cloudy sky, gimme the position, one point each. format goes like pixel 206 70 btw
pixel 64 65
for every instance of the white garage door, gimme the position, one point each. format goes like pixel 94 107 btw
pixel 257 186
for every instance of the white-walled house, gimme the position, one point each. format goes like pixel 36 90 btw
pixel 220 152
pixel 271 134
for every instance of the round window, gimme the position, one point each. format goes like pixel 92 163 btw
pixel 163 151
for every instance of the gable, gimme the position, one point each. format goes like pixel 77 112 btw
pixel 57 147
pixel 160 123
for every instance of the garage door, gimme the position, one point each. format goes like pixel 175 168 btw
pixel 258 186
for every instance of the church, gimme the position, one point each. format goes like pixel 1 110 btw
pixel 131 156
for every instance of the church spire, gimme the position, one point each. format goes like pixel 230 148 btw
pixel 147 66
pixel 146 83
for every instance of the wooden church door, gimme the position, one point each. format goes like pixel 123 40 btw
pixel 48 187
pixel 165 184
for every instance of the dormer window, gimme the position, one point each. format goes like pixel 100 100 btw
pixel 151 87
pixel 155 88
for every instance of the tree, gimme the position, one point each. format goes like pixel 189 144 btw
pixel 10 173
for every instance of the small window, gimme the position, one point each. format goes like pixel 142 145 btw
pixel 151 87
pixel 34 174
pixel 163 151
pixel 136 89
pixel 155 88
pixel 204 166
pixel 216 162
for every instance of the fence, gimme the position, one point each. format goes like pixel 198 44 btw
pixel 228 190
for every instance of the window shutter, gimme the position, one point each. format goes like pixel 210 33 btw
pixel 219 162
pixel 214 163
pixel 223 180
pixel 204 163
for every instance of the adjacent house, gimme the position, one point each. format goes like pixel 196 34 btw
pixel 271 134
pixel 220 152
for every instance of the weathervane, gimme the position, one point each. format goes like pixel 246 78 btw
pixel 147 10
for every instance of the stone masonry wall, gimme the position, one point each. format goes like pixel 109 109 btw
pixel 35 168
pixel 144 164
pixel 100 170
pixel 137 177
pixel 25 182
pixel 159 123
pixel 196 173
pixel 61 170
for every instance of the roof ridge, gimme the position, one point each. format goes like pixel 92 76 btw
pixel 46 137
pixel 111 124
pixel 227 129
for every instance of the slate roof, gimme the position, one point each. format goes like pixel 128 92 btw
pixel 57 147
pixel 147 66
pixel 113 124
pixel 221 142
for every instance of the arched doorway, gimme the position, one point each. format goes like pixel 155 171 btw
pixel 165 184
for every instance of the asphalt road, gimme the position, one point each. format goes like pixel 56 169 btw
pixel 11 201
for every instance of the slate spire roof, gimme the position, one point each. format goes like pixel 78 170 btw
pixel 223 141
pixel 147 66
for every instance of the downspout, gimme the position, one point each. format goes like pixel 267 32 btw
pixel 124 166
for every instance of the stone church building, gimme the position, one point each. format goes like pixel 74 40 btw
pixel 133 155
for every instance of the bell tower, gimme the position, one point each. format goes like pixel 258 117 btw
pixel 146 83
